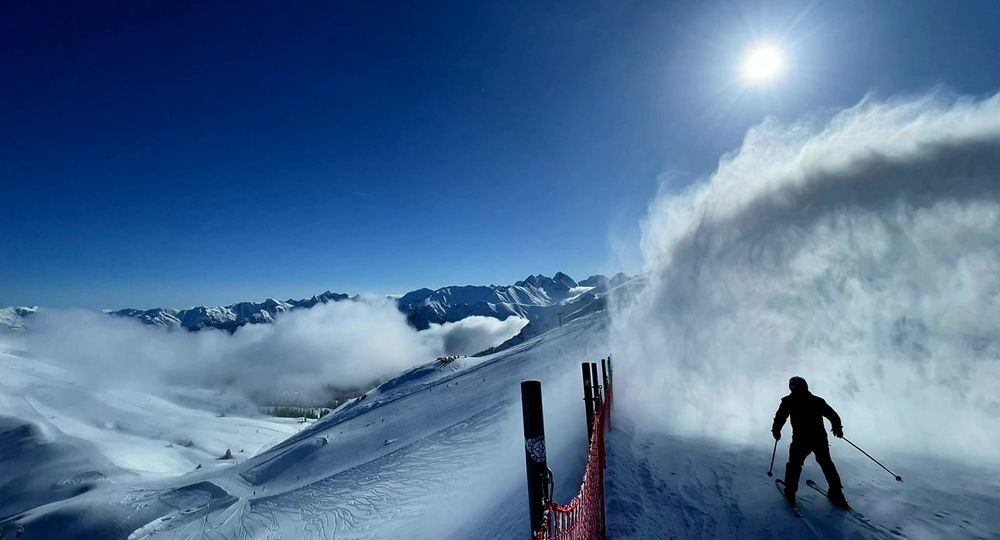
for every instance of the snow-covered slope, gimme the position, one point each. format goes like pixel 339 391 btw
pixel 668 487
pixel 441 440
pixel 438 453
pixel 59 438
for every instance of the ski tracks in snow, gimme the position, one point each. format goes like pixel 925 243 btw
pixel 664 487
pixel 649 497
pixel 397 489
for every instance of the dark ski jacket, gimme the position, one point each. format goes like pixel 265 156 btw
pixel 807 412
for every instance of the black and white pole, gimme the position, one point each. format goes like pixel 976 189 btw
pixel 588 399
pixel 534 451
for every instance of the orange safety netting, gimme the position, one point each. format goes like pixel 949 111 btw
pixel 583 517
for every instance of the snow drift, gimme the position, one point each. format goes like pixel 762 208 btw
pixel 860 251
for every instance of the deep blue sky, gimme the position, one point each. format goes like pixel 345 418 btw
pixel 176 153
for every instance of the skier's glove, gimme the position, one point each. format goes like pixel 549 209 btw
pixel 777 435
pixel 838 432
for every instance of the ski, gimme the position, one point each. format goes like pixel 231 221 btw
pixel 861 519
pixel 780 484
pixel 815 486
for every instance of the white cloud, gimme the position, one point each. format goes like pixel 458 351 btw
pixel 304 355
pixel 474 334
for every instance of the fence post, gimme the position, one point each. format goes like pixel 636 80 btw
pixel 607 390
pixel 604 375
pixel 599 396
pixel 534 451
pixel 598 389
pixel 611 381
pixel 588 400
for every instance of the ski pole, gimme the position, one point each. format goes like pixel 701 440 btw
pixel 898 478
pixel 771 468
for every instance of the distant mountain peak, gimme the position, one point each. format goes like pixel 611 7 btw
pixel 565 280
pixel 13 317
pixel 556 283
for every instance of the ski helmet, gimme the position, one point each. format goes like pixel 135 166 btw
pixel 797 383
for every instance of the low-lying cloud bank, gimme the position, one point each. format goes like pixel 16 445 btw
pixel 860 251
pixel 473 334
pixel 304 355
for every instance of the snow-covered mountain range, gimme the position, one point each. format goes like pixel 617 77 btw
pixel 541 299
pixel 228 317
pixel 534 298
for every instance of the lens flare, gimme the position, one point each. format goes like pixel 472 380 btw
pixel 763 64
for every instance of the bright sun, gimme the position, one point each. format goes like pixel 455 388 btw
pixel 762 64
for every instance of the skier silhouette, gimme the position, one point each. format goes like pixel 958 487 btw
pixel 808 437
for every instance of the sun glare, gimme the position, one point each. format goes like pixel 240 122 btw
pixel 763 63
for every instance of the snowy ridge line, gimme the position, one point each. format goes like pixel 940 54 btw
pixel 583 518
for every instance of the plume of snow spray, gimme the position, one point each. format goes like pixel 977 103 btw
pixel 861 252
